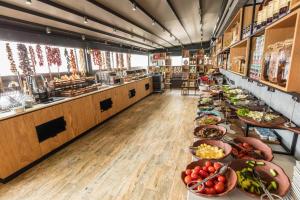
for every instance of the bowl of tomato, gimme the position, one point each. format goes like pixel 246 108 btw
pixel 250 144
pixel 218 186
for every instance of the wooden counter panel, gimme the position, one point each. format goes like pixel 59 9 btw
pixel 46 115
pixel 122 100
pixel 81 115
pixel 18 143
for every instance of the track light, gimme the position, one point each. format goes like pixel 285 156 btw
pixel 171 35
pixel 105 42
pixel 115 30
pixel 144 40
pixel 28 2
pixel 153 22
pixel 134 7
pixel 83 37
pixel 85 20
pixel 48 30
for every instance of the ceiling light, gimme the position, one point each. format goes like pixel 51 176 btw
pixel 85 20
pixel 83 37
pixel 28 2
pixel 134 7
pixel 48 30
pixel 115 30
pixel 153 22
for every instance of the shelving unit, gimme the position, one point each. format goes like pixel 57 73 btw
pixel 240 38
pixel 239 57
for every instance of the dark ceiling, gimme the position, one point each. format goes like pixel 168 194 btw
pixel 145 24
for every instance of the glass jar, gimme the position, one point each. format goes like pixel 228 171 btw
pixel 275 9
pixel 264 16
pixel 270 12
pixel 283 7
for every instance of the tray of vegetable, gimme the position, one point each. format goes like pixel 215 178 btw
pixel 262 119
pixel 210 149
pixel 251 148
pixel 206 101
pixel 272 176
pixel 210 132
pixel 207 120
pixel 201 170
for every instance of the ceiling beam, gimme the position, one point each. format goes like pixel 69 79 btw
pixel 155 20
pixel 9 23
pixel 78 13
pixel 38 14
pixel 107 9
pixel 178 18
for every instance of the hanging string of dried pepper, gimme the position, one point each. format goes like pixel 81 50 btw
pixel 73 62
pixel 24 59
pixel 10 57
pixel 40 55
pixel 107 58
pixel 32 58
pixel 122 60
pixel 82 63
pixel 68 60
pixel 97 58
pixel 56 58
pixel 48 54
pixel 128 61
pixel 117 58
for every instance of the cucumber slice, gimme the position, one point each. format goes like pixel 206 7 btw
pixel 260 163
pixel 273 172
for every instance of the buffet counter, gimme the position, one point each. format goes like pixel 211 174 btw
pixel 28 136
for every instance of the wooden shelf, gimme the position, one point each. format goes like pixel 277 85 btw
pixel 294 4
pixel 286 28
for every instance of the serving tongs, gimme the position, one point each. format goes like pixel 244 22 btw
pixel 251 153
pixel 267 194
pixel 221 171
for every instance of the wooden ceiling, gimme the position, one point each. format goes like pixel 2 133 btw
pixel 145 24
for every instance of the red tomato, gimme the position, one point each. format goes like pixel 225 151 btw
pixel 199 179
pixel 219 187
pixel 205 168
pixel 208 164
pixel 188 172
pixel 211 169
pixel 217 166
pixel 194 176
pixel 235 152
pixel 188 179
pixel 203 173
pixel 209 183
pixel 222 178
pixel 210 191
pixel 196 169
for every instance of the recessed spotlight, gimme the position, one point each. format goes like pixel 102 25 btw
pixel 153 22
pixel 85 20
pixel 134 7
pixel 83 37
pixel 48 30
pixel 28 2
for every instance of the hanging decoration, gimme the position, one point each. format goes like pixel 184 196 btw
pixel 73 62
pixel 40 55
pixel 10 57
pixel 56 60
pixel 97 58
pixel 122 60
pixel 24 59
pixel 68 60
pixel 82 63
pixel 53 56
pixel 48 54
pixel 32 58
pixel 107 58
pixel 117 58
pixel 129 61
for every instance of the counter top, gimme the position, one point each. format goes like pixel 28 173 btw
pixel 11 114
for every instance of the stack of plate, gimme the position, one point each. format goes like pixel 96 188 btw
pixel 266 134
pixel 295 190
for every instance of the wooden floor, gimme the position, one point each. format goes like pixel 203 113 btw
pixel 137 154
